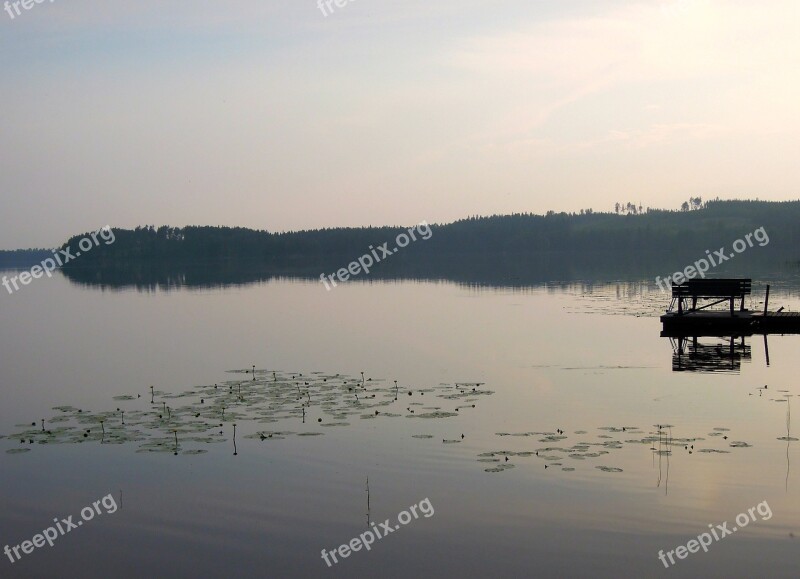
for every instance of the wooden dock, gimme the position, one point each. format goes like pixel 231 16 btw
pixel 741 323
pixel 685 318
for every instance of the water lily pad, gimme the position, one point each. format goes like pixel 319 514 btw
pixel 439 414
pixel 554 438
pixel 499 468
pixel 608 468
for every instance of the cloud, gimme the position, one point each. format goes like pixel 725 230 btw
pixel 711 56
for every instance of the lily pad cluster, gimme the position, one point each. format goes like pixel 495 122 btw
pixel 181 423
pixel 612 438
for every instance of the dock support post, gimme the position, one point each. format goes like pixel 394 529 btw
pixel 766 348
pixel 766 301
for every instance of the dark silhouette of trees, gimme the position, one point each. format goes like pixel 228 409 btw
pixel 712 225
pixel 23 258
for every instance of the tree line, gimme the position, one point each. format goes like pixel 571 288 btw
pixel 711 225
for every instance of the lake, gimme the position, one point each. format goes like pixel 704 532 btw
pixel 539 430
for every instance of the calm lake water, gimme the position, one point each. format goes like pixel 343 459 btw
pixel 585 359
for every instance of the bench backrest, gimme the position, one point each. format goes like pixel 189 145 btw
pixel 712 288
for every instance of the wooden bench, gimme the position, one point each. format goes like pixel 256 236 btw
pixel 719 289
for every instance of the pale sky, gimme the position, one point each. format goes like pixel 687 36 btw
pixel 271 115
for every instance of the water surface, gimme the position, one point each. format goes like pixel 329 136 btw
pixel 582 358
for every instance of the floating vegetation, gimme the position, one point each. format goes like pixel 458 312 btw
pixel 499 468
pixel 435 415
pixel 552 438
pixel 525 434
pixel 660 441
pixel 504 453
pixel 178 422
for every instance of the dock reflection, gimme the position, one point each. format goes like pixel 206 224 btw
pixel 709 354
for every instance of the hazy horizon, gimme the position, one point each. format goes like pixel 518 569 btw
pixel 278 117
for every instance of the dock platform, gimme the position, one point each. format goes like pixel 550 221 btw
pixel 715 323
pixel 685 318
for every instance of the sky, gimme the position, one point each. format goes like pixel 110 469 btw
pixel 277 116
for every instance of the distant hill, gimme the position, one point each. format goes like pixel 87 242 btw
pixel 716 224
pixel 23 258
pixel 517 250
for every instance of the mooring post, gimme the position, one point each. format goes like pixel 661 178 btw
pixel 766 301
